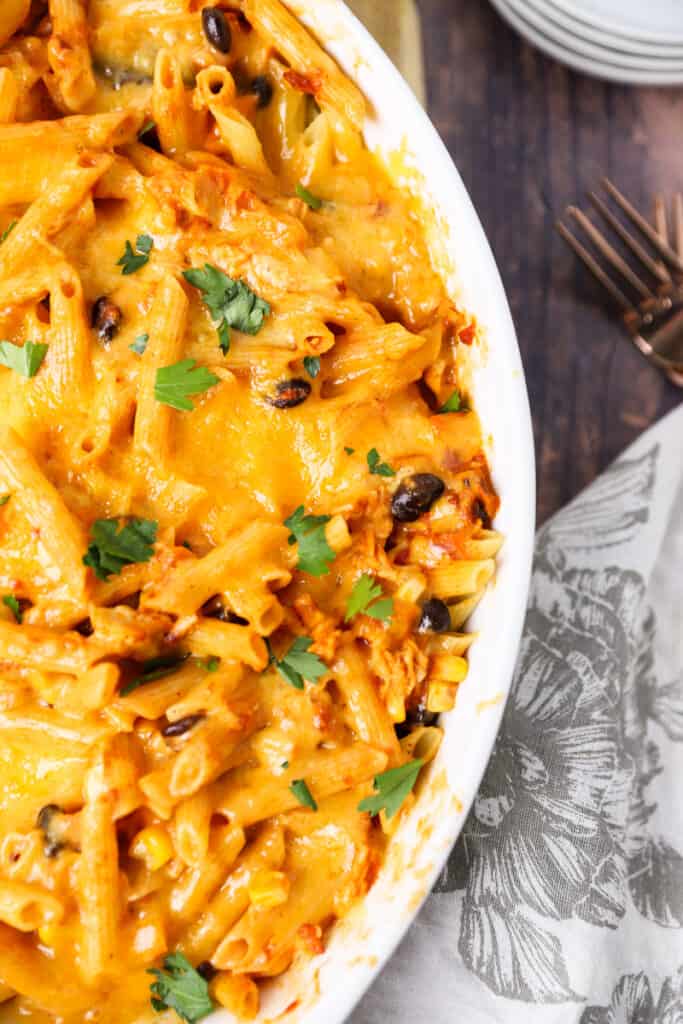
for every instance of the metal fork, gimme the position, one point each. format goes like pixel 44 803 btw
pixel 654 316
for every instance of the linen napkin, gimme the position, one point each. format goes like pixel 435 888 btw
pixel 562 902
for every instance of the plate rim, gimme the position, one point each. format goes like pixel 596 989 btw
pixel 622 44
pixel 615 28
pixel 574 60
pixel 528 10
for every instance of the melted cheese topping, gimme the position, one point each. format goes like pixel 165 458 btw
pixel 172 779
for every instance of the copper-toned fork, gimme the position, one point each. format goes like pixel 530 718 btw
pixel 650 300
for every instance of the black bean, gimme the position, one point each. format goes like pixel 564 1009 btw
pixel 435 617
pixel 106 318
pixel 415 496
pixel 217 29
pixel 207 970
pixel 416 715
pixel 216 609
pixel 263 89
pixel 419 715
pixel 150 137
pixel 290 393
pixel 479 512
pixel 46 814
pixel 48 822
pixel 182 726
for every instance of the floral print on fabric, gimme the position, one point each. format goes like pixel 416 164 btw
pixel 562 828
pixel 633 1003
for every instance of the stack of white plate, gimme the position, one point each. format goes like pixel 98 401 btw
pixel 635 41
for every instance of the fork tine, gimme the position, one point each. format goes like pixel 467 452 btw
pixel 610 253
pixel 596 270
pixel 658 270
pixel 660 218
pixel 678 223
pixel 664 250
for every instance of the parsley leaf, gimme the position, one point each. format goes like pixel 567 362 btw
pixel 181 988
pixel 303 794
pixel 308 198
pixel 297 664
pixel 174 384
pixel 363 599
pixel 155 668
pixel 112 548
pixel 285 765
pixel 24 359
pixel 315 554
pixel 10 227
pixel 140 344
pixel 135 259
pixel 230 303
pixel 4 499
pixel 211 664
pixel 453 404
pixel 349 451
pixel 312 365
pixel 377 467
pixel 392 789
pixel 10 601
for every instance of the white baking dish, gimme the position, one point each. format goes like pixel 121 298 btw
pixel 325 990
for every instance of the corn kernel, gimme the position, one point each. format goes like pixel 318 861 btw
pixel 337 533
pixel 153 845
pixel 237 993
pixel 47 934
pixel 441 695
pixel 449 668
pixel 268 888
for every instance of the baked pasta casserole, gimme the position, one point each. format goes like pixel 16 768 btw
pixel 244 508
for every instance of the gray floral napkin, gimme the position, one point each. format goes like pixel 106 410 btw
pixel 562 902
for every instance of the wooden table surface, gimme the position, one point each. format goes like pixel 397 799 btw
pixel 529 137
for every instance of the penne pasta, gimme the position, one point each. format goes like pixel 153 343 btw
pixel 241 531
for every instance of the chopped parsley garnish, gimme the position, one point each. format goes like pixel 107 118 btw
pixel 174 384
pixel 140 344
pixel 135 259
pixel 312 365
pixel 303 794
pixel 315 554
pixel 453 404
pixel 364 599
pixel 392 789
pixel 111 548
pixel 230 303
pixel 308 198
pixel 285 765
pixel 10 227
pixel 4 499
pixel 349 451
pixel 298 665
pixel 24 359
pixel 10 601
pixel 181 988
pixel 155 668
pixel 376 466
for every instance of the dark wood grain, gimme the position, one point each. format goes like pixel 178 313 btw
pixel 529 137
